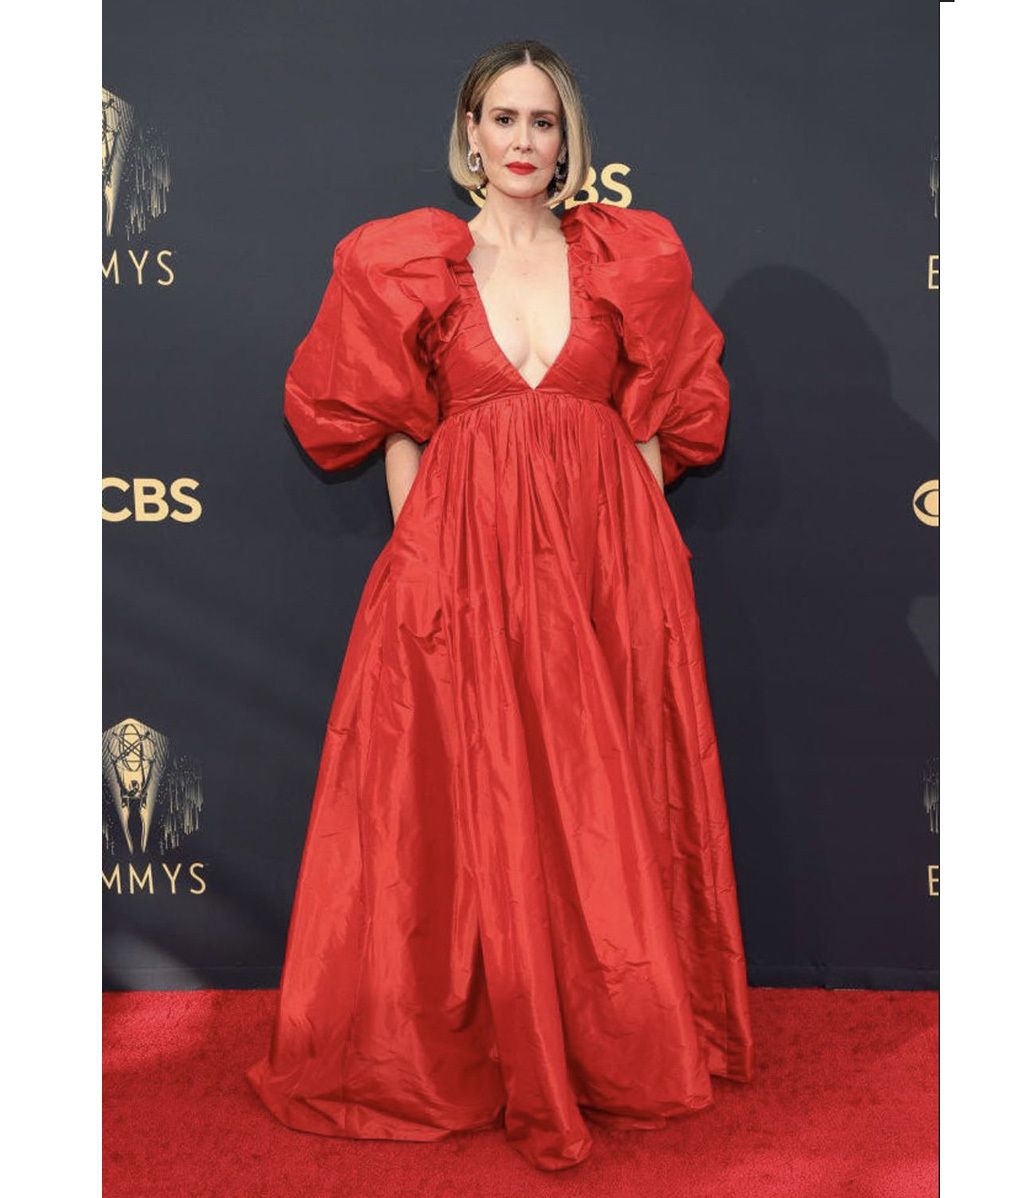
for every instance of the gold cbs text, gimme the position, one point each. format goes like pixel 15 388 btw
pixel 146 500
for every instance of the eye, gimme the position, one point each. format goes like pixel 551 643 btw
pixel 504 116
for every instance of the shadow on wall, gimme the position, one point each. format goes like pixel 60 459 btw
pixel 817 589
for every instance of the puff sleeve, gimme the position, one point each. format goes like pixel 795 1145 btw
pixel 673 385
pixel 360 373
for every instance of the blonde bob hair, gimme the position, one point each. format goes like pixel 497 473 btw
pixel 474 87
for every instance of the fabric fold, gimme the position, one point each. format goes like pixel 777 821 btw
pixel 361 371
pixel 671 382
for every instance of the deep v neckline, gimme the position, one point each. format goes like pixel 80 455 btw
pixel 478 299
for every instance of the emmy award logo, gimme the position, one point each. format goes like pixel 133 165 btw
pixel 150 798
pixel 136 180
pixel 136 171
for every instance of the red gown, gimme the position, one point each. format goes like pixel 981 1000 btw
pixel 516 903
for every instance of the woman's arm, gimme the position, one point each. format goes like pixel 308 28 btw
pixel 651 451
pixel 401 461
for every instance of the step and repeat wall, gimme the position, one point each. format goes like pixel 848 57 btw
pixel 794 146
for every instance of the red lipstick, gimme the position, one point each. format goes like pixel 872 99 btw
pixel 522 168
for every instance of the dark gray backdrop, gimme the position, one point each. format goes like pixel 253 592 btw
pixel 791 144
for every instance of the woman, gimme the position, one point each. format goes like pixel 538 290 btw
pixel 516 903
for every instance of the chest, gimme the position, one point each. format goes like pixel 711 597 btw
pixel 526 301
pixel 467 364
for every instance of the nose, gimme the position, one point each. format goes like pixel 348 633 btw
pixel 523 139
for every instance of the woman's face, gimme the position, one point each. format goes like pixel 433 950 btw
pixel 520 122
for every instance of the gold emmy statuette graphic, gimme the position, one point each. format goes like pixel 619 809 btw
pixel 926 503
pixel 134 757
pixel 152 798
pixel 118 125
pixel 136 171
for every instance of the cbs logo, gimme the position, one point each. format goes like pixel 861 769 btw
pixel 926 502
pixel 148 499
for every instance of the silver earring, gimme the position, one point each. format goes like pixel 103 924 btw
pixel 562 169
pixel 469 161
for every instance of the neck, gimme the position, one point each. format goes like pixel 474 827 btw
pixel 508 221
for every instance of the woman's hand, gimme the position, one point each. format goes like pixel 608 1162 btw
pixel 401 461
pixel 651 451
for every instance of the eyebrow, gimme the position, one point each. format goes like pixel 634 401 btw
pixel 535 112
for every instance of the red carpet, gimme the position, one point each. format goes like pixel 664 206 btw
pixel 845 1104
